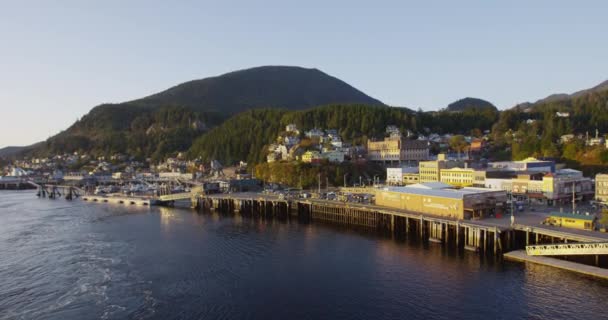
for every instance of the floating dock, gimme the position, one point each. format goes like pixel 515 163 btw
pixel 522 256
pixel 120 200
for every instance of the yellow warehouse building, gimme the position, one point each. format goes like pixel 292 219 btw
pixel 441 199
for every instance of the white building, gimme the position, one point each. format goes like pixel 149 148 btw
pixel 292 128
pixel 394 176
pixel 315 133
pixel 291 141
pixel 334 156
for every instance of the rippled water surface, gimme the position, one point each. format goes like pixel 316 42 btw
pixel 74 260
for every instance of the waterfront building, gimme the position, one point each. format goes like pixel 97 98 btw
pixel 601 188
pixel 175 175
pixel 440 199
pixel 544 188
pixel 574 221
pixel 397 149
pixel 75 176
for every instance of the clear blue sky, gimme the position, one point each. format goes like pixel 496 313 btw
pixel 57 62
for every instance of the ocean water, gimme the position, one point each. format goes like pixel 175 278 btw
pixel 78 260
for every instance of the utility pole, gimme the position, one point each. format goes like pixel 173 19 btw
pixel 512 209
pixel 573 197
pixel 319 183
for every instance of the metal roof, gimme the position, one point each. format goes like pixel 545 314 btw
pixel 590 217
pixel 450 192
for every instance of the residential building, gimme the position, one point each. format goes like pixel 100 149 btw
pixel 311 156
pixel 292 128
pixel 477 145
pixel 337 142
pixel 387 150
pixel 334 156
pixel 291 141
pixel 566 138
pixel 397 149
pixel 272 157
pixel 315 133
pixel 601 188
pixel 392 129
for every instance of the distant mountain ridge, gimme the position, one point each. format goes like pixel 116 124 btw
pixel 10 151
pixel 557 97
pixel 470 103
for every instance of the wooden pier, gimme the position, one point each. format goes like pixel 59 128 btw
pixel 461 234
pixel 482 236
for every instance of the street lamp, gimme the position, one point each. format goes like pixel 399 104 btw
pixel 345 179
pixel 360 181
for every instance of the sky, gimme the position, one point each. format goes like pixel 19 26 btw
pixel 59 61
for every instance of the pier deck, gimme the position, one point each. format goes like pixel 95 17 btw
pixel 521 256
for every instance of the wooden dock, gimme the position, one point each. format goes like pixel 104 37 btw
pixel 521 256
pixel 120 200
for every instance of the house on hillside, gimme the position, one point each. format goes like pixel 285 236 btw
pixel 292 128
pixel 311 156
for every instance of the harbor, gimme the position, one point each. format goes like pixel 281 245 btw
pixel 121 260
pixel 494 237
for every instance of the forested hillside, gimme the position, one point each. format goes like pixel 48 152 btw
pixel 245 135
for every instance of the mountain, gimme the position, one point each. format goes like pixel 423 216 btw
pixel 599 88
pixel 170 120
pixel 556 97
pixel 291 88
pixel 11 151
pixel 468 104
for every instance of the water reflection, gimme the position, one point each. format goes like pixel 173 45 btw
pixel 98 261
